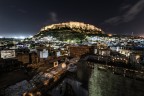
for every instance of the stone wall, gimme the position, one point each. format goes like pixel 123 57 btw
pixel 105 83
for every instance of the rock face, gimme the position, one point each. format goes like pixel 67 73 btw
pixel 105 83
pixel 75 26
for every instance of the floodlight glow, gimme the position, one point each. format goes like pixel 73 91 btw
pixel 72 41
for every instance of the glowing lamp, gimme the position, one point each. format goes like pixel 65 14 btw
pixel 63 65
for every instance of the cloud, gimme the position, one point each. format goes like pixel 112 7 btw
pixel 53 16
pixel 114 20
pixel 125 7
pixel 22 11
pixel 130 13
pixel 51 19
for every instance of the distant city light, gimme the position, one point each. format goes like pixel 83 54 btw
pixel 110 35
pixel 16 37
pixel 19 37
pixel 30 36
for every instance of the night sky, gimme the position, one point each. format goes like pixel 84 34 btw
pixel 26 17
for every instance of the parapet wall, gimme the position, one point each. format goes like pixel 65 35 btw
pixel 106 83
